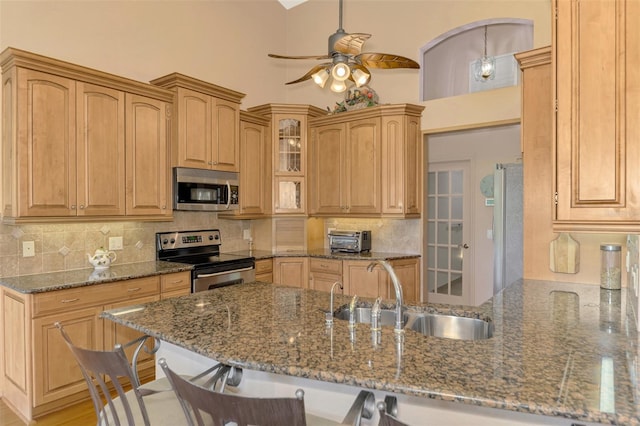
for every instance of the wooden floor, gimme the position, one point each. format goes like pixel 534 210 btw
pixel 81 414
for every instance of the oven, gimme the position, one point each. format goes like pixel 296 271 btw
pixel 201 249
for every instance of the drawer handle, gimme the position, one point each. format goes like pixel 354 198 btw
pixel 132 290
pixel 69 300
pixel 176 281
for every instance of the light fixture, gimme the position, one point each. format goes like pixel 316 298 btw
pixel 338 86
pixel 321 77
pixel 360 75
pixel 484 68
pixel 340 71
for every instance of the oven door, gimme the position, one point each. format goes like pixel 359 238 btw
pixel 203 281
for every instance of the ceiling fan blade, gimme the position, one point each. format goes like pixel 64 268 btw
pixel 385 61
pixel 350 44
pixel 310 73
pixel 271 55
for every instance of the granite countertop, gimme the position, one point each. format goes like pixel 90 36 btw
pixel 546 357
pixel 40 283
pixel 326 254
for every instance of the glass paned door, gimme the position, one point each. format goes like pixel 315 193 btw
pixel 448 250
pixel 290 146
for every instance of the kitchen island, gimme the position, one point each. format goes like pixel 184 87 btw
pixel 560 353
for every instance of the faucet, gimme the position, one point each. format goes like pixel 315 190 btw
pixel 398 288
pixel 375 315
pixel 329 315
pixel 352 311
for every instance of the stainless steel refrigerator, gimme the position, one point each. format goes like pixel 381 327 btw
pixel 507 225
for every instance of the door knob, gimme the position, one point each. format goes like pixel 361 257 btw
pixel 464 246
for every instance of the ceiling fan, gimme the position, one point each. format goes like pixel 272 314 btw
pixel 348 62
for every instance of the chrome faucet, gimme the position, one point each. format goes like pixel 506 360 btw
pixel 329 315
pixel 352 311
pixel 398 288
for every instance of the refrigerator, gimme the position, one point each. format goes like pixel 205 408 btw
pixel 507 225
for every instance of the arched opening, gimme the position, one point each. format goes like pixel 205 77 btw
pixel 446 66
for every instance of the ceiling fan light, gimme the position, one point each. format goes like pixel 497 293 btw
pixel 340 71
pixel 321 77
pixel 360 77
pixel 338 86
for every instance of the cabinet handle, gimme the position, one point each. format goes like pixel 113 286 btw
pixel 133 290
pixel 176 281
pixel 73 206
pixel 81 206
pixel 69 300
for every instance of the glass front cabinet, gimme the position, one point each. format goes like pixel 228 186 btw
pixel 289 124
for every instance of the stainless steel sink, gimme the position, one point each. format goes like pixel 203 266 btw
pixel 427 324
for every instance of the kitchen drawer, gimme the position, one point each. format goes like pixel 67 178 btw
pixel 94 295
pixel 176 282
pixel 326 266
pixel 264 266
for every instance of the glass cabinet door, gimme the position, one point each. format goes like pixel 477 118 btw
pixel 289 194
pixel 290 147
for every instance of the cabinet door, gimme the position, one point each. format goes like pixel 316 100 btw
pixel 598 102
pixel 46 117
pixel 225 139
pixel 289 195
pixel 56 371
pixel 116 333
pixel 290 144
pixel 147 189
pixel 194 122
pixel 401 165
pixel 362 167
pixel 324 282
pixel 360 282
pixel 264 270
pixel 408 273
pixel 253 169
pixel 291 271
pixel 327 157
pixel 100 151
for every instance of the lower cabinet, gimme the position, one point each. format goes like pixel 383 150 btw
pixel 264 270
pixel 291 271
pixel 40 375
pixel 357 280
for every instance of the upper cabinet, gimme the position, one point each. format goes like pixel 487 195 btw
pixel 206 124
pixel 367 163
pixel 79 143
pixel 289 130
pixel 596 52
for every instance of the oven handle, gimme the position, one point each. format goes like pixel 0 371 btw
pixel 228 197
pixel 223 273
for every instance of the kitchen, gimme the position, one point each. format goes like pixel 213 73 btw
pixel 71 25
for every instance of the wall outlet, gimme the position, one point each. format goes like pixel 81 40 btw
pixel 28 249
pixel 246 234
pixel 115 243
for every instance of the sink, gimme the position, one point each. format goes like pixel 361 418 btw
pixel 449 326
pixel 427 324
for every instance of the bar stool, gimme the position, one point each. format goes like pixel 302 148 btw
pixel 388 410
pixel 153 403
pixel 224 407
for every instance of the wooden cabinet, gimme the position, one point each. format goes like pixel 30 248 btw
pixel 346 168
pixel 148 171
pixel 264 270
pixel 367 163
pixel 289 129
pixel 255 168
pixel 77 143
pixel 174 285
pixel 41 375
pixel 206 123
pixel 323 273
pixel 291 271
pixel 596 50
pixel 358 281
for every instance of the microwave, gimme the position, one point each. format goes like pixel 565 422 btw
pixel 204 190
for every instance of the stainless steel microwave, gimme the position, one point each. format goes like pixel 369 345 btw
pixel 204 190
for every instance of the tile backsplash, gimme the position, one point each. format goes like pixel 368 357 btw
pixel 64 246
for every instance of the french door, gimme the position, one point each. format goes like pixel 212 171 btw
pixel 449 251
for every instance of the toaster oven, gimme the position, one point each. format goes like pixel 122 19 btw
pixel 350 241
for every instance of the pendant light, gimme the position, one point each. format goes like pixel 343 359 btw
pixel 484 68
